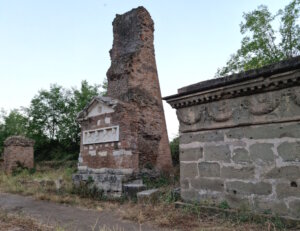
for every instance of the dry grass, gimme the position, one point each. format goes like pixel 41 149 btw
pixel 162 214
pixel 18 222
pixel 165 215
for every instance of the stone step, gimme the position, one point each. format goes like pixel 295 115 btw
pixel 131 189
pixel 148 196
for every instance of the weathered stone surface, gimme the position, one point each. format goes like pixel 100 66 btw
pixel 131 190
pixel 188 170
pixel 237 201
pixel 191 154
pixel 190 195
pixel 289 151
pixel 208 169
pixel 270 206
pixel 217 153
pixel 148 196
pixel 18 150
pixel 205 136
pixel 241 155
pixel 207 184
pixel 184 183
pixel 237 172
pixel 287 172
pixel 262 152
pixel 294 207
pixel 240 187
pixel 250 128
pixel 269 131
pixel 284 190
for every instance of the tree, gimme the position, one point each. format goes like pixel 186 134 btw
pixel 263 45
pixel 15 123
pixel 46 111
pixel 52 120
pixel 174 147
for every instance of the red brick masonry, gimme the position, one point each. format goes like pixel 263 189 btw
pixel 18 149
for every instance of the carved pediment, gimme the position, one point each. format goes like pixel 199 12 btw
pixel 97 106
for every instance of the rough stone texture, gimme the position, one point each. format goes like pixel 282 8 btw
pixel 127 130
pixel 208 169
pixel 132 78
pixel 207 184
pixel 289 151
pixel 18 150
pixel 288 190
pixel 240 187
pixel 249 130
pixel 262 153
pixel 241 155
pixel 148 196
pixel 217 153
pixel 191 154
pixel 238 172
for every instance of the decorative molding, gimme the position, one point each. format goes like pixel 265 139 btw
pixel 250 87
pixel 267 107
pixel 102 135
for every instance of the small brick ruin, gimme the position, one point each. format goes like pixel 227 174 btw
pixel 240 139
pixel 125 132
pixel 18 150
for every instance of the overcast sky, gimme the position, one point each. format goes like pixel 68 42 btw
pixel 67 41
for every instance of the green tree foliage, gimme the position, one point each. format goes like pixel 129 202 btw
pixel 51 121
pixel 174 146
pixel 15 123
pixel 262 44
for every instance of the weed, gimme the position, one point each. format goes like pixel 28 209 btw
pixel 224 205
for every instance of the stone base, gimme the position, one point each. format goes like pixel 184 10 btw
pixel 110 181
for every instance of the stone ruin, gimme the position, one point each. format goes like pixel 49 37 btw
pixel 240 139
pixel 125 132
pixel 18 150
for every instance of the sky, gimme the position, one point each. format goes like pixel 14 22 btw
pixel 66 41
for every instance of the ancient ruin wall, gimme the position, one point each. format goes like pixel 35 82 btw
pixel 133 78
pixel 240 140
pixel 18 150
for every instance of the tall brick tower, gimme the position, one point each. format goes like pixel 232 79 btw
pixel 132 78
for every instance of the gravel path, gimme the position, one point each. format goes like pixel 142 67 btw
pixel 67 217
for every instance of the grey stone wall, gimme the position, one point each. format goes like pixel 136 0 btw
pixel 240 142
pixel 253 166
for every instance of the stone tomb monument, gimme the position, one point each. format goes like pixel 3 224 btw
pixel 18 150
pixel 240 139
pixel 125 132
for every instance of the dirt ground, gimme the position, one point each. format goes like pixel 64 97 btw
pixel 27 213
pixel 66 217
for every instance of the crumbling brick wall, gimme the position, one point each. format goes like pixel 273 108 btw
pixel 240 139
pixel 18 150
pixel 132 78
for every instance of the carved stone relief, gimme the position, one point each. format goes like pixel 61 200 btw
pixel 296 96
pixel 103 135
pixel 220 111
pixel 263 103
pixel 259 108
pixel 189 115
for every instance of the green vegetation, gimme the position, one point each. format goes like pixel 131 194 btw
pixel 50 121
pixel 174 146
pixel 262 44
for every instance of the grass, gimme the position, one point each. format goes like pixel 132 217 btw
pixel 18 222
pixel 44 186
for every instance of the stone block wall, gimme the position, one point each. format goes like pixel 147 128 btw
pixel 240 140
pixel 18 149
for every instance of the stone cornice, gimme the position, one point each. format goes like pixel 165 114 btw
pixel 252 86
